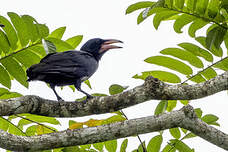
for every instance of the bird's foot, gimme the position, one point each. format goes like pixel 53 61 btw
pixel 60 99
pixel 87 98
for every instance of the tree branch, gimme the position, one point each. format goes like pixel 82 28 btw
pixel 185 118
pixel 151 89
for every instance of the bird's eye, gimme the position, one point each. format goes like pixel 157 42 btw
pixel 98 41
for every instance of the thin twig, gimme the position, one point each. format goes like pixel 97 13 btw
pixel 20 50
pixel 203 70
pixel 36 123
pixel 14 126
pixel 144 148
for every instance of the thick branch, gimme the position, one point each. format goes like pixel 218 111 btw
pixel 151 89
pixel 184 118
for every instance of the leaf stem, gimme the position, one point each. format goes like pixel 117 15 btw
pixel 203 70
pixel 20 50
pixel 36 123
pixel 15 126
pixel 144 148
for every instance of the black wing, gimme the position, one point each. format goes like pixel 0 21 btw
pixel 64 65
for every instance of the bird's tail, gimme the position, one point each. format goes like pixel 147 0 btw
pixel 30 73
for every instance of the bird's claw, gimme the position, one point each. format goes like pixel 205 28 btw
pixel 60 99
pixel 89 97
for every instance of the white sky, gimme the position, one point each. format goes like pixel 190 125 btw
pixel 107 19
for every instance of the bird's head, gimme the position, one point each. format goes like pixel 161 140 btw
pixel 97 47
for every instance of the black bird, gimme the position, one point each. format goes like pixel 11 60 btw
pixel 71 67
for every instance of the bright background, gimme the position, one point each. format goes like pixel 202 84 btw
pixel 107 19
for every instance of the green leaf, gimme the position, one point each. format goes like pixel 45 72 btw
pixel 58 33
pixel 99 94
pixel 38 49
pixel 189 135
pixel 43 30
pixel 169 148
pixel 87 82
pixel 162 16
pixel 197 78
pixel 169 3
pixel 170 63
pixel 31 27
pixel 115 89
pixel 184 130
pixel 27 57
pixel 23 122
pixel 175 132
pixel 198 112
pixel 71 122
pixel 21 28
pixel 140 17
pixel 181 21
pixel 184 55
pixel 154 144
pixel 184 102
pixel 139 5
pixel 42 119
pixel 10 95
pixel 140 147
pixel 213 8
pixel 214 123
pixel 71 149
pixel 161 107
pixel 60 44
pixel 4 43
pixel 99 146
pixel 171 105
pixel 161 75
pixel 181 146
pixel 223 65
pixel 213 50
pixel 10 32
pixel 4 77
pixel 113 119
pixel 15 69
pixel 215 37
pixel 201 7
pixel 85 147
pixel 194 49
pixel 74 41
pixel 123 146
pixel 196 25
pixel 3 91
pixel 4 125
pixel 31 131
pixel 209 73
pixel 15 130
pixel 209 118
pixel 111 145
pixel 179 4
pixel 226 41
pixel 224 13
pixel 191 5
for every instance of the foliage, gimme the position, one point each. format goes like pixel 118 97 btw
pixel 187 60
pixel 24 41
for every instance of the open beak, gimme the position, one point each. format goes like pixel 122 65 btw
pixel 107 45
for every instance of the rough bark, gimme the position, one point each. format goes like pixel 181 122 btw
pixel 185 118
pixel 151 89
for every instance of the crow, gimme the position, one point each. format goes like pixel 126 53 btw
pixel 71 67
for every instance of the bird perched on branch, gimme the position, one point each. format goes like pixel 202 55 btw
pixel 71 67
